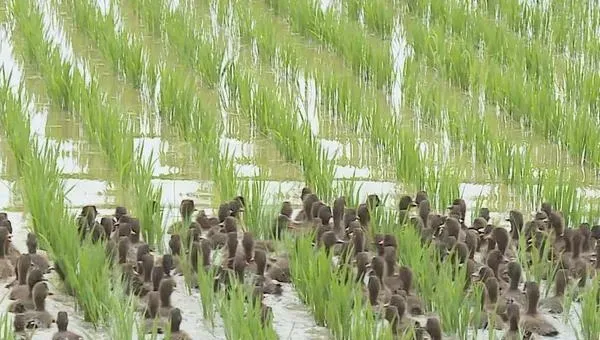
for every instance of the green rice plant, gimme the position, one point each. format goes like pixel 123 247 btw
pixel 84 265
pixel 242 315
pixel 259 212
pixel 588 316
pixel 102 119
pixel 208 297
pixel 7 330
pixel 331 293
pixel 369 58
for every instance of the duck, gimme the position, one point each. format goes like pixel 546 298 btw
pixel 39 316
pixel 339 205
pixel 513 292
pixel 554 304
pixel 391 280
pixel 484 213
pixel 533 321
pixel 265 283
pixel 308 198
pixel 577 264
pixel 492 310
pixel 434 328
pixel 62 323
pixel 38 259
pixel 402 324
pixel 21 291
pixel 279 268
pixel 283 222
pixel 414 304
pixel 186 208
pixel 373 288
pixel 513 332
pixel 165 289
pixel 330 239
pixel 404 204
pixel 7 269
pixel 502 238
pixel 152 320
pixel 364 209
pixel 515 218
pixel 496 261
pixel 35 275
pixel 176 332
pixel 86 220
pixel 363 262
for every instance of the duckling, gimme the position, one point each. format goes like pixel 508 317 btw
pixel 35 275
pixel 176 332
pixel 364 209
pixel 108 225
pixel 434 328
pixel 492 310
pixel 391 316
pixel 404 204
pixel 39 317
pixel 283 221
pixel 330 239
pixel 265 283
pixel 120 211
pixel 165 289
pixel 496 261
pixel 248 246
pixel 577 264
pixel 152 319
pixel 399 303
pixel 363 262
pixel 39 260
pixel 516 224
pixel 502 239
pixel 484 213
pixel 532 321
pixel 305 215
pixel 86 220
pixel 460 206
pixel 62 322
pixel 358 240
pixel 134 238
pixel 391 280
pixel 21 291
pixel 513 292
pixel 338 214
pixel 6 267
pixel 167 264
pixel 554 304
pixel 373 287
pixel 280 269
pixel 147 263
pixel 414 304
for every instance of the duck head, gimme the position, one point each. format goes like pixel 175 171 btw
pixel 561 281
pixel 286 209
pixel 495 258
pixel 123 248
pixel 224 212
pixel 165 289
pixel 338 208
pixel 358 240
pixel 232 243
pixel 237 206
pixel 329 239
pixel 248 245
pixel 147 263
pixel 516 223
pixel 39 293
pixel 32 244
pixel 514 273
pixel 378 266
pixel 491 288
pixel 532 291
pixel 157 276
pixel 424 210
pixel 484 213
pixel 390 258
pixel 500 235
pixel 434 328
pixel 62 321
pixel 260 258
pixel 175 244
pixel 324 214
pixel 186 209
pixel 373 286
pixel 406 202
pixel 363 262
pixel 307 204
pixel 153 305
pixel 421 196
pixel 120 212
pixel 175 318
pixel 406 276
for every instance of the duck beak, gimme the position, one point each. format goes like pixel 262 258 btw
pixel 413 204
pixel 507 219
pixel 251 260
pixel 338 241
pixel 202 237
pixel 380 243
pixel 368 265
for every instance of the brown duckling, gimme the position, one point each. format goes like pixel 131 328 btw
pixel 497 262
pixel 364 209
pixel 86 219
pixel 492 310
pixel 554 304
pixel 513 292
pixel 363 262
pixel 165 289
pixel 502 239
pixel 516 225
pixel 152 319
pixel 577 264
pixel 265 283
pixel 330 239
pixel 338 214
pixel 176 332
pixel 35 275
pixel 374 288
pixel 533 321
pixel 38 259
pixel 62 323
pixel 6 267
pixel 279 269
pixel 391 280
pixel 414 304
pixel 404 204
pixel 307 202
pixel 399 303
pixel 358 240
pixel 21 291
pixel 147 263
pixel 434 328
pixel 39 316
pixel 514 317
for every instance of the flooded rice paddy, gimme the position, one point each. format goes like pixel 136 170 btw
pixel 349 98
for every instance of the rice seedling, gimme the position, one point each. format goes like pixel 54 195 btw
pixel 332 293
pixel 242 314
pixel 44 197
pixel 588 316
pixel 74 88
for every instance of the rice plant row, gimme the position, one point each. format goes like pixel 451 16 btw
pixel 85 267
pixel 74 88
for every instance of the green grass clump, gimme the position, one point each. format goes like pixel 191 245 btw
pixel 588 316
pixel 78 91
pixel 85 265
